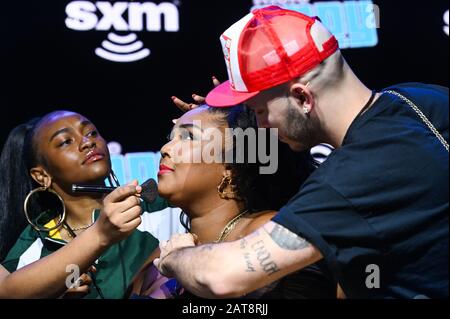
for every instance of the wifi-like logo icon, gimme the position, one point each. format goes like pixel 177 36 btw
pixel 119 48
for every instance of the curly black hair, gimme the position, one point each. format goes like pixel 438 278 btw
pixel 262 191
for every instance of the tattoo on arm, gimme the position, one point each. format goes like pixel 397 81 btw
pixel 248 261
pixel 264 258
pixel 287 239
pixel 207 247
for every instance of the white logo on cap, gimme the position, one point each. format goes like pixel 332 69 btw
pixel 82 16
pixel 226 43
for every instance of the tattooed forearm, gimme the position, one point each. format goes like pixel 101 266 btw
pixel 243 243
pixel 247 257
pixel 249 264
pixel 264 258
pixel 287 239
pixel 207 247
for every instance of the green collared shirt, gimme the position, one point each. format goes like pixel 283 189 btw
pixel 116 267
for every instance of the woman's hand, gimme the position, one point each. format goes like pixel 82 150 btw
pixel 80 289
pixel 198 99
pixel 120 215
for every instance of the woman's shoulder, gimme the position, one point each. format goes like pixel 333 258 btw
pixel 28 247
pixel 257 220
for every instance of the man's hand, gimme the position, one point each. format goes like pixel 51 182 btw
pixel 198 99
pixel 234 269
pixel 177 241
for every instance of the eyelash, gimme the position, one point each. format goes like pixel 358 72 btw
pixel 65 142
pixel 93 133
pixel 171 136
pixel 69 141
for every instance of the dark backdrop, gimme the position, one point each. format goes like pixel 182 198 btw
pixel 46 66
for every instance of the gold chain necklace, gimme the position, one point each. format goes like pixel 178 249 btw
pixel 82 228
pixel 229 227
pixel 71 231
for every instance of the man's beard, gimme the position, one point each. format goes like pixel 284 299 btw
pixel 303 131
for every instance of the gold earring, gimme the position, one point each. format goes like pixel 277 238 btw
pixel 25 208
pixel 226 181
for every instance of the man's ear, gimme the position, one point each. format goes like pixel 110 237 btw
pixel 40 175
pixel 303 94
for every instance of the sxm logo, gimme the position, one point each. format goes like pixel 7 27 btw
pixel 353 23
pixel 125 17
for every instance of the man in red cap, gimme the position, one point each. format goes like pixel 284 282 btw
pixel 376 211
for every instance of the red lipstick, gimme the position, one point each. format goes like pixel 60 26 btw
pixel 163 169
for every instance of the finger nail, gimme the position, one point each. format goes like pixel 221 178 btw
pixel 174 97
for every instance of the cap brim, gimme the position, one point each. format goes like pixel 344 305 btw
pixel 224 96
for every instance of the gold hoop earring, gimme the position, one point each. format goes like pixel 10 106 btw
pixel 25 208
pixel 226 181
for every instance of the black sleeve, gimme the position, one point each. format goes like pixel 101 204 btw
pixel 328 221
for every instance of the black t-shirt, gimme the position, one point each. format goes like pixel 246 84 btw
pixel 377 209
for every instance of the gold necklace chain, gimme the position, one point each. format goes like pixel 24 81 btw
pixel 229 227
pixel 422 116
pixel 70 229
pixel 66 227
pixel 82 228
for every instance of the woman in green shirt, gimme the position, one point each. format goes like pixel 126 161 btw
pixel 54 152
